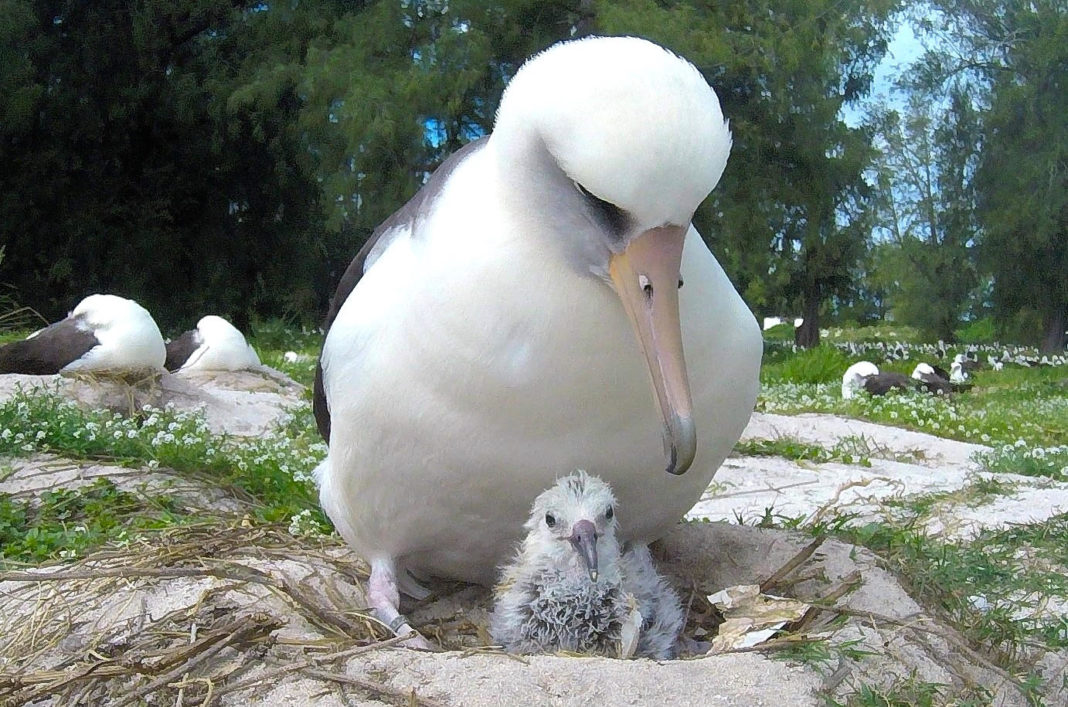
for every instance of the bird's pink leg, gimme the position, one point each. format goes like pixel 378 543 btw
pixel 384 597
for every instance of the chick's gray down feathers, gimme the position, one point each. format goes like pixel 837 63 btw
pixel 547 601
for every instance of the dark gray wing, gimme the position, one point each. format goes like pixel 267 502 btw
pixel 940 372
pixel 883 383
pixel 934 383
pixel 405 218
pixel 49 350
pixel 179 350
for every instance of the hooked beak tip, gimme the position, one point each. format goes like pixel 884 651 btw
pixel 680 442
pixel 584 538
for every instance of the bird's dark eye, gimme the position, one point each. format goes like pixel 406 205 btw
pixel 609 513
pixel 550 520
pixel 613 217
pixel 681 283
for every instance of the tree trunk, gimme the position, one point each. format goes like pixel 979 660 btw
pixel 1053 341
pixel 585 24
pixel 807 335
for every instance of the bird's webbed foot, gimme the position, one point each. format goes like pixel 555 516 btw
pixel 383 595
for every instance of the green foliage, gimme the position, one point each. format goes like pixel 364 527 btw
pixel 926 262
pixel 1004 407
pixel 271 472
pixel 780 332
pixel 207 156
pixel 129 174
pixel 982 583
pixel 873 333
pixel 822 364
pixel 1025 208
pixel 292 351
pixel 66 522
pixel 1010 56
pixel 1021 458
pixel 12 316
pixel 848 452
pixel 978 331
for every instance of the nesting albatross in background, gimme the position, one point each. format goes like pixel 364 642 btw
pixel 103 333
pixel 525 315
pixel 215 345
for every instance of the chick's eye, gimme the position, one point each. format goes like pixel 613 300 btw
pixel 609 513
pixel 550 520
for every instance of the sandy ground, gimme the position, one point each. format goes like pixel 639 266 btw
pixel 304 595
pixel 747 487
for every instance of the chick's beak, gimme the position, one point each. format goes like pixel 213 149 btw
pixel 584 538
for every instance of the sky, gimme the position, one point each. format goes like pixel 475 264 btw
pixel 903 49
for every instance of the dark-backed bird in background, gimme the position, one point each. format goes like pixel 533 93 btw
pixel 102 333
pixel 215 345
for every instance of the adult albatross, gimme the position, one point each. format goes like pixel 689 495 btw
pixel 503 327
pixel 102 333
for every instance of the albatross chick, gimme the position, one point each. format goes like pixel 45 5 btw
pixel 571 588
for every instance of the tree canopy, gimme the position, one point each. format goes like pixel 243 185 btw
pixel 231 157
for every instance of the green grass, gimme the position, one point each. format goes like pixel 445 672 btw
pixel 986 584
pixel 993 586
pixel 848 451
pixel 1051 462
pixel 822 364
pixel 63 523
pixel 1026 404
pixel 977 493
pixel 271 472
pixel 1000 589
pixel 273 339
pixel 852 449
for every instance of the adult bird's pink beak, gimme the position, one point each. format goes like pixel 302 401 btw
pixel 584 538
pixel 646 278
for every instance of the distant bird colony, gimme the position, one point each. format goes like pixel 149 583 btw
pixel 926 377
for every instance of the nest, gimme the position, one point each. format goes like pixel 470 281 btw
pixel 186 616
pixel 194 615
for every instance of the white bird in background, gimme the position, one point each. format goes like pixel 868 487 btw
pixel 571 588
pixel 215 345
pixel 504 326
pixel 103 333
pixel 854 377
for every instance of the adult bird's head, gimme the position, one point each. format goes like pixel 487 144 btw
pixel 614 142
pixel 569 519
